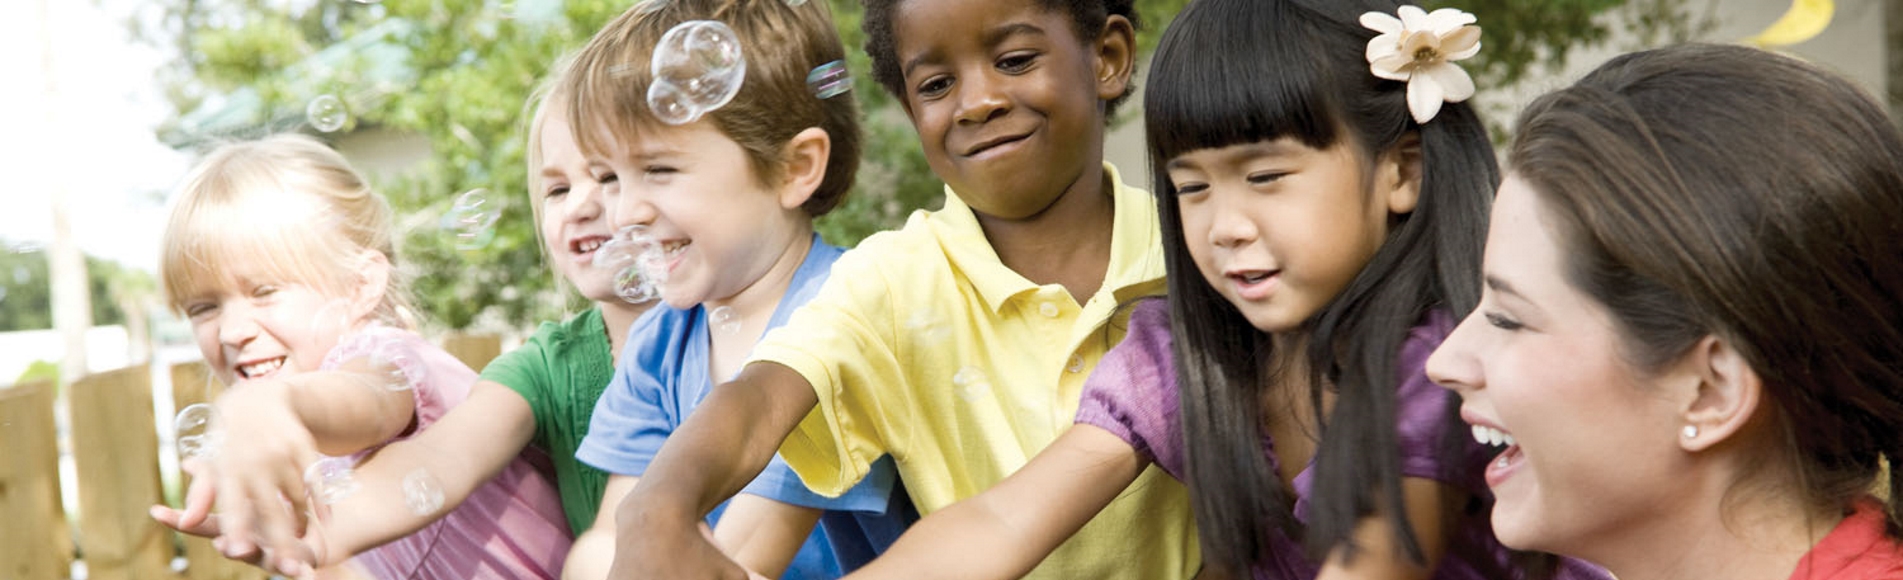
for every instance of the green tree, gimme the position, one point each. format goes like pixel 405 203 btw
pixel 26 289
pixel 457 72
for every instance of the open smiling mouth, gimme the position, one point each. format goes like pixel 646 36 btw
pixel 260 369
pixel 1506 460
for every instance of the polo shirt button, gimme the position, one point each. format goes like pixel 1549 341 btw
pixel 1076 364
pixel 1047 309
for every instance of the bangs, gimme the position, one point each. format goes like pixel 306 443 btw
pixel 224 232
pixel 1218 80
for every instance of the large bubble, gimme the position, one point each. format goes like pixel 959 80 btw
pixel 697 67
pixel 330 480
pixel 196 432
pixel 472 219
pixel 422 492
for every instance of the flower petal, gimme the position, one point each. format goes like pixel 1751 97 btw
pixel 1415 41
pixel 1462 43
pixel 1446 20
pixel 1452 80
pixel 1423 98
pixel 1382 46
pixel 1413 17
pixel 1381 22
pixel 1394 67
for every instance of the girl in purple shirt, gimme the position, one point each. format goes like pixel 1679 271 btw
pixel 1323 195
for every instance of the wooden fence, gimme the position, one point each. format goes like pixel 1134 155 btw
pixel 115 449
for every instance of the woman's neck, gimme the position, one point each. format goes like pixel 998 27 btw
pixel 1757 538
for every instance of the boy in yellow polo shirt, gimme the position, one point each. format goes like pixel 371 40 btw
pixel 958 344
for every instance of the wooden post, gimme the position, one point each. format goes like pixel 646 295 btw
pixel 475 350
pixel 34 541
pixel 191 384
pixel 115 447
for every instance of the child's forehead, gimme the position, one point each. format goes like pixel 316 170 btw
pixel 931 27
pixel 655 140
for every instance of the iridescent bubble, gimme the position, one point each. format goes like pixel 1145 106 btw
pixel 829 80
pixel 400 365
pixel 330 480
pixel 725 320
pixel 326 113
pixel 971 383
pixel 367 1
pixel 422 492
pixel 615 254
pixel 631 286
pixel 196 431
pixel 926 329
pixel 697 67
pixel 472 218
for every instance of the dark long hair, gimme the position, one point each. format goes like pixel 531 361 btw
pixel 1718 190
pixel 1240 71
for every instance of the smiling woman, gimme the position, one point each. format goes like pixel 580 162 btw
pixel 1692 320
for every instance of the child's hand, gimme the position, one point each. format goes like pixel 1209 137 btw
pixel 258 475
pixel 645 551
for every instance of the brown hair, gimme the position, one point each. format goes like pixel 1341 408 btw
pixel 288 205
pixel 1720 190
pixel 607 85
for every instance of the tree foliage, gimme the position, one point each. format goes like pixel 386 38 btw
pixel 463 69
pixel 26 301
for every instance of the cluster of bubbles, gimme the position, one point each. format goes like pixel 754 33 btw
pixel 326 113
pixel 638 261
pixel 472 220
pixel 697 67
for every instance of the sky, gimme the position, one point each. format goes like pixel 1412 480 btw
pixel 93 142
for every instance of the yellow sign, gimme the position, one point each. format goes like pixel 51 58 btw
pixel 1804 20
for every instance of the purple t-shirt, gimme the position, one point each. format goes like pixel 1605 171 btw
pixel 1133 394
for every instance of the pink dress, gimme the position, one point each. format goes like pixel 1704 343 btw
pixel 510 527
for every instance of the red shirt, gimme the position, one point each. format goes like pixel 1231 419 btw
pixel 1858 549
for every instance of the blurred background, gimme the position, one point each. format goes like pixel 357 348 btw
pixel 113 100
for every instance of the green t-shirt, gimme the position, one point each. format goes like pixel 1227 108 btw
pixel 561 371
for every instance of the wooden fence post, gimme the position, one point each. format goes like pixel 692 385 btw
pixel 115 447
pixel 34 541
pixel 191 384
pixel 475 350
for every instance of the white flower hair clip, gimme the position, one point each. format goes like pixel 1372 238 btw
pixel 1419 48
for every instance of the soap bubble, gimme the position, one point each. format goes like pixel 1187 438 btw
pixel 971 383
pixel 697 67
pixel 725 320
pixel 472 218
pixel 829 80
pixel 422 492
pixel 326 113
pixel 330 480
pixel 196 431
pixel 795 2
pixel 397 361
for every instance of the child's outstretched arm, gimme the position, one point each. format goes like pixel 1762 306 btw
pixel 274 430
pixel 594 549
pixel 1007 530
pixel 764 535
pixel 723 445
pixel 1380 555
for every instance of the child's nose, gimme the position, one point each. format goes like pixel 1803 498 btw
pixel 237 324
pixel 1230 229
pixel 980 99
pixel 584 203
pixel 630 210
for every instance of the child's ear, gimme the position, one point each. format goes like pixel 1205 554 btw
pixel 372 279
pixel 1398 175
pixel 806 155
pixel 1116 57
pixel 1727 394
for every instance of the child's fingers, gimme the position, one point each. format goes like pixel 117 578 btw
pixel 206 528
pixel 199 498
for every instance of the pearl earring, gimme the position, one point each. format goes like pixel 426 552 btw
pixel 1690 432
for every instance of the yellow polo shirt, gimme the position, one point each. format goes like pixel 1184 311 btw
pixel 924 346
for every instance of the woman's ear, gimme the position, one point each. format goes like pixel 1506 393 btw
pixel 1398 175
pixel 1116 57
pixel 372 280
pixel 806 155
pixel 1727 394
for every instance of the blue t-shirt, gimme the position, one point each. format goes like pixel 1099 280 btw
pixel 662 376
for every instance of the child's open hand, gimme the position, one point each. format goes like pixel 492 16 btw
pixel 258 475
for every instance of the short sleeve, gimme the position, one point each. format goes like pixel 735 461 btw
pixel 633 419
pixel 436 380
pixel 525 370
pixel 778 482
pixel 1425 410
pixel 841 343
pixel 1132 392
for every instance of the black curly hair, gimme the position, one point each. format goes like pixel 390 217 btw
pixel 1087 18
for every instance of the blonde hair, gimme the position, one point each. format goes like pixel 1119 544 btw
pixel 285 207
pixel 607 86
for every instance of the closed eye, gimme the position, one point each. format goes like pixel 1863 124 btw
pixel 1503 322
pixel 1017 62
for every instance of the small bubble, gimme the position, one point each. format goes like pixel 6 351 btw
pixel 3 293
pixel 472 218
pixel 725 320
pixel 367 1
pixel 27 248
pixel 795 2
pixel 829 80
pixel 422 492
pixel 326 113
pixel 398 362
pixel 631 286
pixel 671 105
pixel 196 431
pixel 21 274
pixel 926 328
pixel 971 383
pixel 330 480
pixel 697 67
